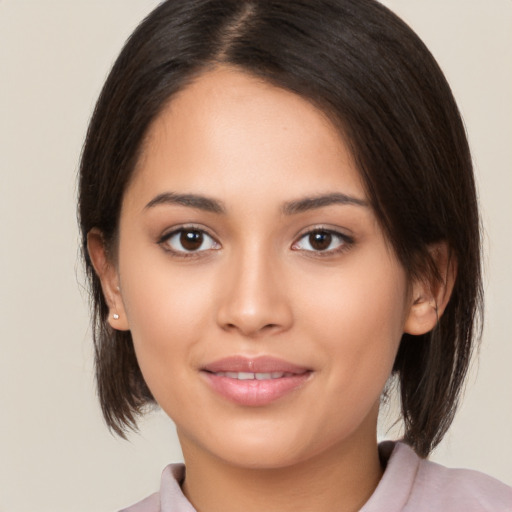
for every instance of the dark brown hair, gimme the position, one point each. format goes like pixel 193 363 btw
pixel 372 75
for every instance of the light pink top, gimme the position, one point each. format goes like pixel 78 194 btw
pixel 409 484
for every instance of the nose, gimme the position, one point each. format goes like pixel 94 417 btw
pixel 254 299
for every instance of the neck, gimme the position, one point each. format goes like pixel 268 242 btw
pixel 341 479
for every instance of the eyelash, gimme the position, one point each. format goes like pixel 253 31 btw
pixel 165 239
pixel 344 241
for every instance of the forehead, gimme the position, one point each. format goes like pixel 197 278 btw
pixel 229 128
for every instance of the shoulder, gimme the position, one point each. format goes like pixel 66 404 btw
pixel 169 498
pixel 419 485
pixel 149 504
pixel 459 489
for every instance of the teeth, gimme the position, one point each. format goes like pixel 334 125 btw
pixel 263 376
pixel 253 376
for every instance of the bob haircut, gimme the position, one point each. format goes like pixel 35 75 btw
pixel 369 72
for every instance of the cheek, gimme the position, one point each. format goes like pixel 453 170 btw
pixel 161 308
pixel 167 311
pixel 357 317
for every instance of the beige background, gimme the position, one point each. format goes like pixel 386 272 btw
pixel 55 453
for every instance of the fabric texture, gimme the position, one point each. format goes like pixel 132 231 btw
pixel 409 484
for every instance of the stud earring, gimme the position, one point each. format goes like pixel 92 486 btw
pixel 115 316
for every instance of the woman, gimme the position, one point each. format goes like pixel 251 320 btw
pixel 278 214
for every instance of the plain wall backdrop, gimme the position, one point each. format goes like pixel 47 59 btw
pixel 55 452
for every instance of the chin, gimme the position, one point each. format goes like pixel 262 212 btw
pixel 262 448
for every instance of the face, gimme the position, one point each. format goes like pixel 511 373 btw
pixel 265 305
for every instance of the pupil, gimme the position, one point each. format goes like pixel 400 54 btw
pixel 191 240
pixel 320 240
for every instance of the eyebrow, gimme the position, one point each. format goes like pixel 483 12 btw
pixel 191 200
pixel 314 202
pixel 290 208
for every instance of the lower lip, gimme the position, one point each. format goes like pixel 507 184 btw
pixel 255 392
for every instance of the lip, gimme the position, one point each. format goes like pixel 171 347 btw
pixel 254 392
pixel 261 364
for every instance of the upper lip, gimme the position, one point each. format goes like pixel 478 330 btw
pixel 261 364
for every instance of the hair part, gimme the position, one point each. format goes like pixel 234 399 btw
pixel 368 71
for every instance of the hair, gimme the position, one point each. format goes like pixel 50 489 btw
pixel 371 74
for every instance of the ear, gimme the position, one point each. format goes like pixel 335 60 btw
pixel 107 273
pixel 429 295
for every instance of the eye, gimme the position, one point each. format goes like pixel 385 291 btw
pixel 188 240
pixel 322 240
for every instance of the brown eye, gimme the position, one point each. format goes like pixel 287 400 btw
pixel 188 241
pixel 191 240
pixel 323 241
pixel 320 240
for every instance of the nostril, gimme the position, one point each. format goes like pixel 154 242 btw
pixel 252 307
pixel 251 330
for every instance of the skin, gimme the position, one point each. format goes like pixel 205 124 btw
pixel 257 286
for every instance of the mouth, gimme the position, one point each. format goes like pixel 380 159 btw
pixel 254 376
pixel 255 382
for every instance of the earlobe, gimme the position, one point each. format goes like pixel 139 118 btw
pixel 109 278
pixel 430 295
